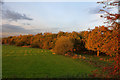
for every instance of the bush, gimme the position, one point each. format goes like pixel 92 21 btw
pixel 63 45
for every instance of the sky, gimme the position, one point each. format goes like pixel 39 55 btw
pixel 36 17
pixel 51 0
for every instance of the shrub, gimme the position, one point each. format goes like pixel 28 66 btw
pixel 63 45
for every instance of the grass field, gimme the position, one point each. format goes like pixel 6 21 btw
pixel 21 62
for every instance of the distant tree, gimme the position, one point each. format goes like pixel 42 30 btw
pixel 36 42
pixel 4 40
pixel 61 33
pixel 47 44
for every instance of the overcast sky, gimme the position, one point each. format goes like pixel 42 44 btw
pixel 35 17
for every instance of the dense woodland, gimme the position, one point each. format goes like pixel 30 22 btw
pixel 100 40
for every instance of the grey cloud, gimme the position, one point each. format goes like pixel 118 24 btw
pixel 25 23
pixel 1 2
pixel 14 16
pixel 13 28
pixel 17 30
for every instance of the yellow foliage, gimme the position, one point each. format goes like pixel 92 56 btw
pixel 53 53
pixel 84 57
pixel 80 56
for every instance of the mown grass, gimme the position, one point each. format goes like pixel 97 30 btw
pixel 21 62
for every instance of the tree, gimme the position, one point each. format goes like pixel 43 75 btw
pixel 61 33
pixel 112 19
pixel 63 45
pixel 79 44
pixel 95 39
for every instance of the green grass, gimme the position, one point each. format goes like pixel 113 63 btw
pixel 21 62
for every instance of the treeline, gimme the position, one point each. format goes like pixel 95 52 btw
pixel 100 40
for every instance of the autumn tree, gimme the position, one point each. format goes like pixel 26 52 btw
pixel 112 20
pixel 79 45
pixel 95 39
pixel 112 17
pixel 63 45
pixel 61 33
pixel 37 41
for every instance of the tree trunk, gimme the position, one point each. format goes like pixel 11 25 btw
pixel 97 53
